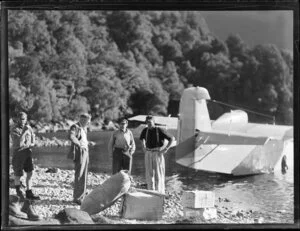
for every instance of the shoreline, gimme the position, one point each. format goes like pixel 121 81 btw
pixel 56 190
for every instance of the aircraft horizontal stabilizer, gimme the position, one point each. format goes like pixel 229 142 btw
pixel 203 138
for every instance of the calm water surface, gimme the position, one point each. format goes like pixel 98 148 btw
pixel 270 194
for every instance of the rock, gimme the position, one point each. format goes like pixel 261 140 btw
pixel 52 170
pixel 74 216
pixel 13 221
pixel 99 219
pixel 239 214
pixel 259 220
pixel 201 213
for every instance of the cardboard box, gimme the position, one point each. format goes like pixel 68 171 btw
pixel 198 199
pixel 202 213
pixel 143 206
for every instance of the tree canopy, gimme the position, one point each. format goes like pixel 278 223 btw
pixel 120 63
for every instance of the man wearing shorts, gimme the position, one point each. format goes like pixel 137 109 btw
pixel 23 139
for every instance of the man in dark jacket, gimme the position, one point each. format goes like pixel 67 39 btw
pixel 79 153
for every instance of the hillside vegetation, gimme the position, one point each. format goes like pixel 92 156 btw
pixel 121 63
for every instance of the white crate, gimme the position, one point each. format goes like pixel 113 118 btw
pixel 202 213
pixel 198 199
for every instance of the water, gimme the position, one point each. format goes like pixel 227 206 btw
pixel 272 195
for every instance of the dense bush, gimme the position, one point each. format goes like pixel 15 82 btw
pixel 120 63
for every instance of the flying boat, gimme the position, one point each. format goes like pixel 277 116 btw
pixel 230 144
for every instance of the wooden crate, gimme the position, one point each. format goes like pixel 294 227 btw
pixel 141 205
pixel 198 199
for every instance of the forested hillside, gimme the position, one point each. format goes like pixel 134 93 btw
pixel 122 63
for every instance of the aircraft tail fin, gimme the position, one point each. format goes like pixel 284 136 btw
pixel 193 113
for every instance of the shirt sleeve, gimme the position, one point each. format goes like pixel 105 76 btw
pixel 111 143
pixel 72 135
pixel 132 143
pixel 16 137
pixel 31 134
pixel 165 134
pixel 143 134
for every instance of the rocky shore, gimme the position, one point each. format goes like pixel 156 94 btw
pixel 55 187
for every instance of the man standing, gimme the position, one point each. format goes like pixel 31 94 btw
pixel 152 139
pixel 23 139
pixel 121 147
pixel 79 153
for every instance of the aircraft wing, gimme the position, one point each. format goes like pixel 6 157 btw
pixel 169 122
pixel 203 138
pixel 235 138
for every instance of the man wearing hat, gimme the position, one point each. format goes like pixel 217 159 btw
pixel 121 147
pixel 79 153
pixel 152 139
pixel 23 139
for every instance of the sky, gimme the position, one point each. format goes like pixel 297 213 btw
pixel 254 27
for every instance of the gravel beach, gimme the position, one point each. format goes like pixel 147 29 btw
pixel 56 189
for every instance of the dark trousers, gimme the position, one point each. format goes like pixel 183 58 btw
pixel 81 171
pixel 121 161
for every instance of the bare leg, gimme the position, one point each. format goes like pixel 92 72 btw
pixel 28 180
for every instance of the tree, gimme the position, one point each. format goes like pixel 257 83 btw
pixel 105 94
pixel 237 47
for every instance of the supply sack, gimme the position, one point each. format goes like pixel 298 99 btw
pixel 107 193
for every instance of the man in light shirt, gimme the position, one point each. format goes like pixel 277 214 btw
pixel 23 139
pixel 121 147
pixel 79 153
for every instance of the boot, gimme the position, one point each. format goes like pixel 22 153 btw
pixel 15 207
pixel 29 210
pixel 31 196
pixel 20 193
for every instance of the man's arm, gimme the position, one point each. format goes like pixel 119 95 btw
pixel 168 137
pixel 72 136
pixel 33 140
pixel 143 140
pixel 133 147
pixel 111 143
